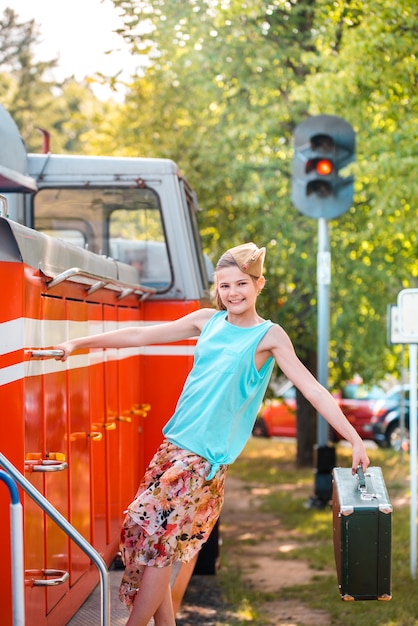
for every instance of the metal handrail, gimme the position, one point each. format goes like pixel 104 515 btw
pixel 16 536
pixel 45 354
pixel 100 282
pixel 65 525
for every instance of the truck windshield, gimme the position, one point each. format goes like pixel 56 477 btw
pixel 123 223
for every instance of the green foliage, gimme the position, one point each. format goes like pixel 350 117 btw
pixel 366 72
pixel 67 110
pixel 226 86
pixel 222 88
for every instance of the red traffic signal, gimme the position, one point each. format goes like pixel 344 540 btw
pixel 323 167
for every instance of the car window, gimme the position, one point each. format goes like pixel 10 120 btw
pixel 375 393
pixel 362 392
pixel 394 394
pixel 405 395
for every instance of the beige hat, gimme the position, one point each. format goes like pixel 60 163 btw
pixel 249 258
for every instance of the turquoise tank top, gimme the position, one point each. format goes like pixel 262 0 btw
pixel 220 400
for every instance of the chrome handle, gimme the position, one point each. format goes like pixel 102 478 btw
pixel 61 576
pixel 46 466
pixel 45 354
pixel 50 466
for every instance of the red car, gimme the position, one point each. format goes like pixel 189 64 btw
pixel 357 402
pixel 277 418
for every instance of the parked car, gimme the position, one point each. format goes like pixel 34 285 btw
pixel 277 417
pixel 386 419
pixel 357 402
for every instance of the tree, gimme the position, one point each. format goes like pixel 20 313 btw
pixel 34 99
pixel 215 74
pixel 27 91
pixel 226 85
pixel 225 88
pixel 367 72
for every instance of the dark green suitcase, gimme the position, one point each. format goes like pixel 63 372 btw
pixel 362 529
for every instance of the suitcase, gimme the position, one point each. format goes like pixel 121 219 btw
pixel 362 530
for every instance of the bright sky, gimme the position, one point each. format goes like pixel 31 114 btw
pixel 79 32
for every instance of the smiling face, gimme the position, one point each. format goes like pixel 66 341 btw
pixel 237 291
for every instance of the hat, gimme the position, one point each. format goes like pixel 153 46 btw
pixel 249 258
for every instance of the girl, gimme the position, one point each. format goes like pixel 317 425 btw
pixel 181 495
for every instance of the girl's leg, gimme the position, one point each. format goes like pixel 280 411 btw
pixel 164 615
pixel 153 599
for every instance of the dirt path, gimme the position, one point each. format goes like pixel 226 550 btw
pixel 262 539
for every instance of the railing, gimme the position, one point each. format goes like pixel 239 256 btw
pixel 44 354
pixel 16 537
pixel 70 531
pixel 97 282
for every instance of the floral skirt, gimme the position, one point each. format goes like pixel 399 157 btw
pixel 172 516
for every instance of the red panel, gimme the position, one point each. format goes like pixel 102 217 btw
pixel 98 449
pixel 79 447
pixel 34 520
pixel 132 413
pixel 111 432
pixel 11 423
pixel 55 449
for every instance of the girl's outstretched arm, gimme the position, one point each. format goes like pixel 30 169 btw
pixel 183 328
pixel 280 346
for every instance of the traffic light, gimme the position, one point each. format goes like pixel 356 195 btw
pixel 324 144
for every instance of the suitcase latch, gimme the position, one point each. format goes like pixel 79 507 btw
pixel 368 496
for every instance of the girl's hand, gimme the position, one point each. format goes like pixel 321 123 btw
pixel 360 457
pixel 66 348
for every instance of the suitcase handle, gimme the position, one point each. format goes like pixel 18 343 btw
pixel 361 479
pixel 362 487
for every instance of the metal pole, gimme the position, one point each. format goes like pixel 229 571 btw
pixel 325 455
pixel 16 535
pixel 402 403
pixel 323 281
pixel 413 381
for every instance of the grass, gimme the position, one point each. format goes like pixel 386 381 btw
pixel 271 463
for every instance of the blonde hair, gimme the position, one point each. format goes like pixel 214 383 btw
pixel 226 260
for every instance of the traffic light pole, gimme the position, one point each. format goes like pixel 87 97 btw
pixel 325 455
pixel 323 277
